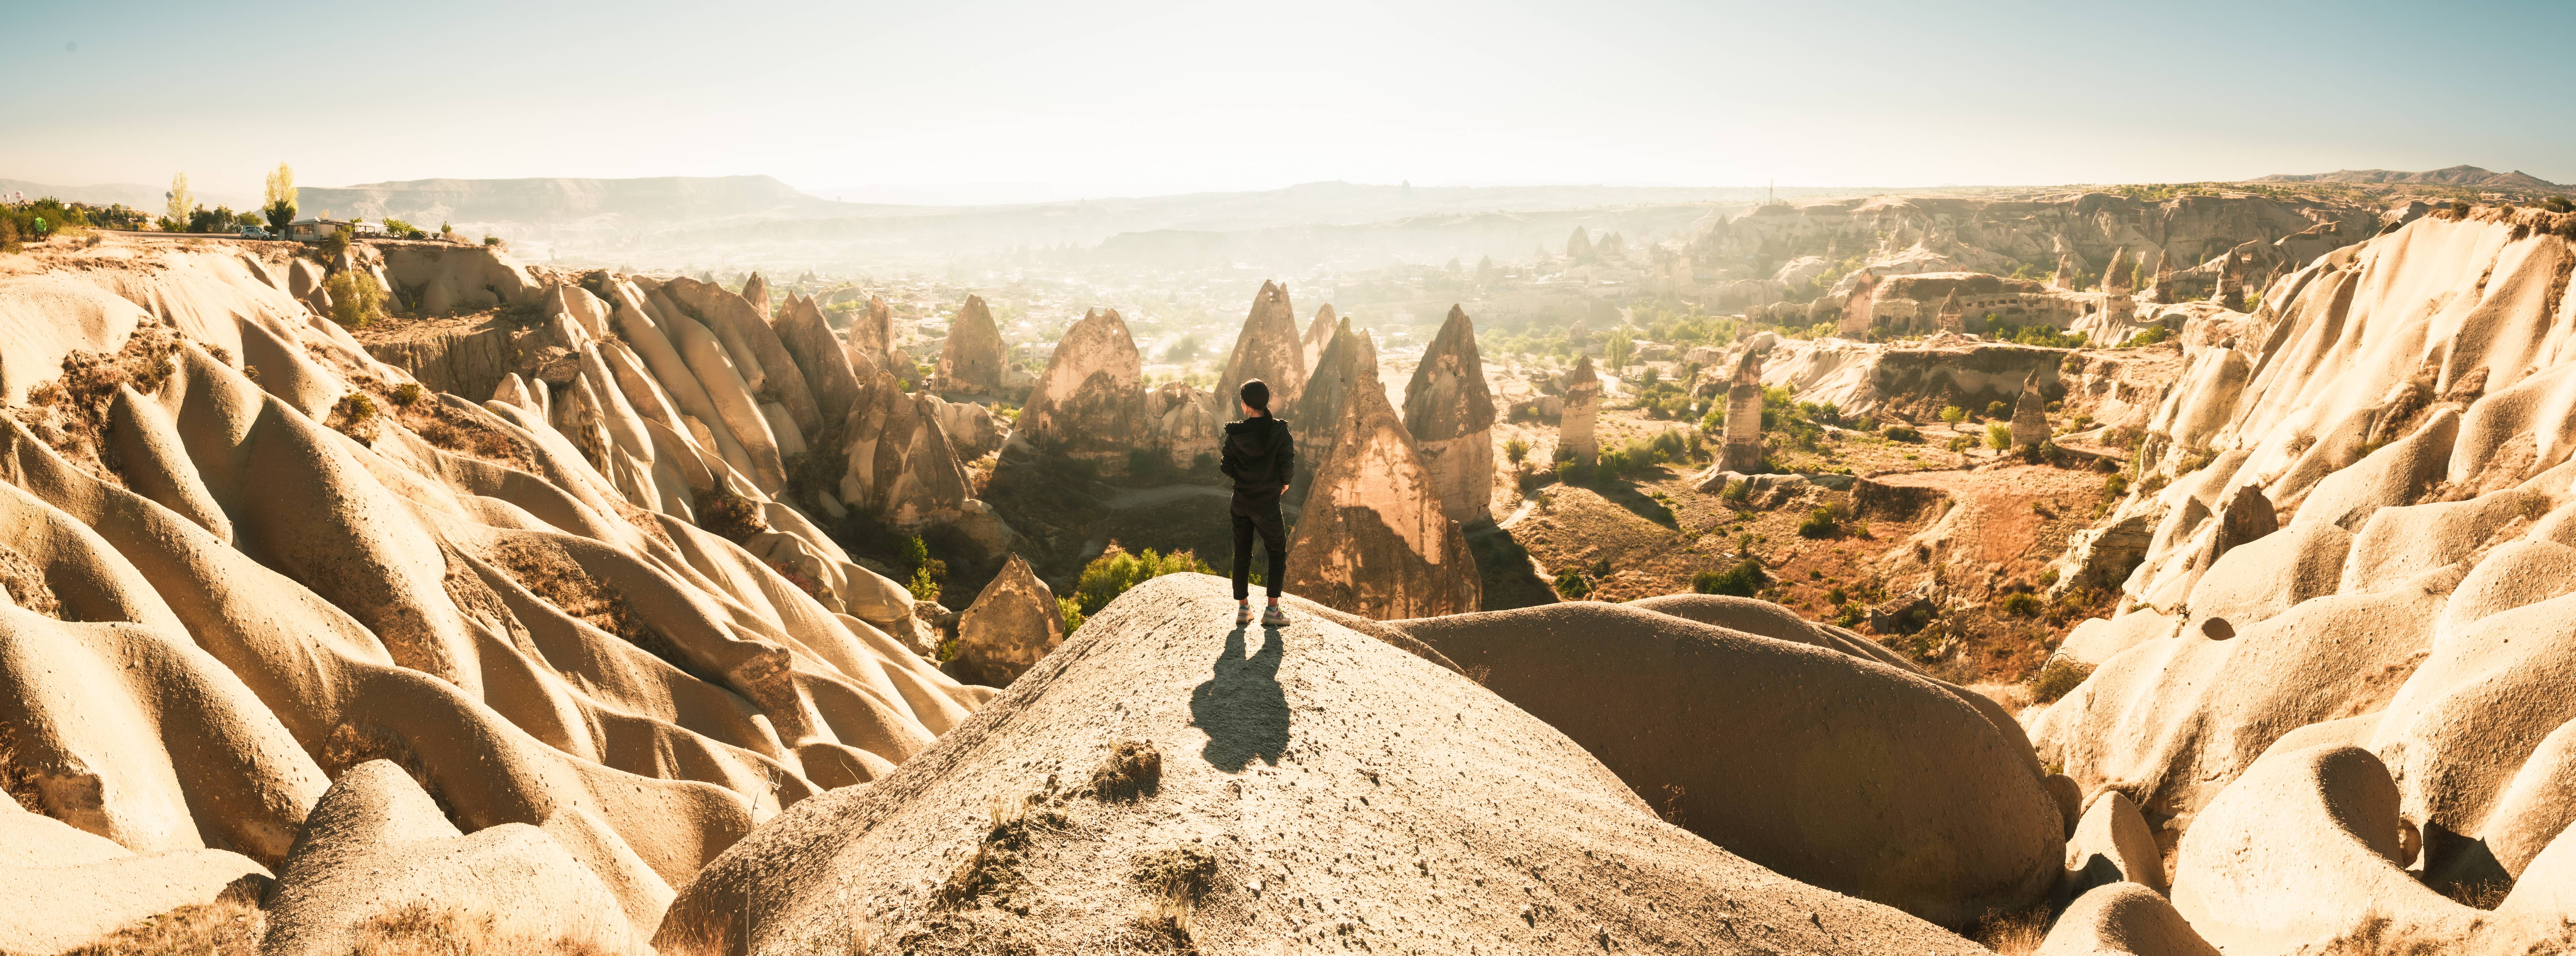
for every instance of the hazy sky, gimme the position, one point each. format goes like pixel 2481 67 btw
pixel 1005 101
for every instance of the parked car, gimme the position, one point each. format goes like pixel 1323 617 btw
pixel 255 232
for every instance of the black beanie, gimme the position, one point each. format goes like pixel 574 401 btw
pixel 1256 393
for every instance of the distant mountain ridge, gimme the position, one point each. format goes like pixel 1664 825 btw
pixel 2464 176
pixel 132 195
pixel 644 203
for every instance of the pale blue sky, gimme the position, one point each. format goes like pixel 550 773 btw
pixel 887 100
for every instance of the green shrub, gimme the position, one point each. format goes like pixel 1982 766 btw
pixel 1571 585
pixel 1573 472
pixel 1516 450
pixel 1115 570
pixel 409 394
pixel 1820 523
pixel 1953 414
pixel 2056 679
pixel 2021 604
pixel 1070 612
pixel 2153 335
pixel 1745 579
pixel 356 299
pixel 1962 443
pixel 1614 461
pixel 1997 409
pixel 1998 436
pixel 1903 433
pixel 1737 494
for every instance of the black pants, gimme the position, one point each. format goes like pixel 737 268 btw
pixel 1256 512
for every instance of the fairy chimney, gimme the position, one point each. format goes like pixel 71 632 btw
pixel 1582 405
pixel 1090 401
pixel 1743 452
pixel 2030 415
pixel 1450 411
pixel 1372 538
pixel 971 360
pixel 1268 350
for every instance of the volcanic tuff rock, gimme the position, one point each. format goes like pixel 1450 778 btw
pixel 1181 421
pixel 1349 360
pixel 971 359
pixel 1339 787
pixel 1373 540
pixel 1319 333
pixel 1582 406
pixel 1743 449
pixel 871 333
pixel 1012 624
pixel 1786 776
pixel 1090 401
pixel 1268 350
pixel 820 359
pixel 265 594
pixel 2030 414
pixel 1450 411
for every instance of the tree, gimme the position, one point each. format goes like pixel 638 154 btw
pixel 356 299
pixel 1618 349
pixel 180 203
pixel 277 202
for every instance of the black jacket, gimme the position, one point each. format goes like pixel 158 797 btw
pixel 1259 455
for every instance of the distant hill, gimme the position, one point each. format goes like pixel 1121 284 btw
pixel 133 195
pixel 2466 177
pixel 647 204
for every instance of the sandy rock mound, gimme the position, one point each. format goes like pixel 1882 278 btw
pixel 377 845
pixel 2123 919
pixel 1829 768
pixel 60 887
pixel 1306 786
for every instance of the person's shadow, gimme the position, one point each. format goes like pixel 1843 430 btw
pixel 1241 707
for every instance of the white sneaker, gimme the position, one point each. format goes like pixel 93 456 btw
pixel 1273 617
pixel 1242 613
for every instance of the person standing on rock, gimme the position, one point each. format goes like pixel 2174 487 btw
pixel 1260 457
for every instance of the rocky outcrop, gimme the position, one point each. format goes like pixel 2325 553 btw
pixel 1743 449
pixel 755 290
pixel 754 349
pixel 438 278
pixel 1090 402
pixel 971 359
pixel 1373 539
pixel 1449 408
pixel 1268 350
pixel 820 359
pixel 1181 422
pixel 1013 623
pixel 1532 844
pixel 1582 406
pixel 972 430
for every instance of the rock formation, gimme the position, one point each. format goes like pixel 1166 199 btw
pixel 820 359
pixel 1743 449
pixel 1090 402
pixel 972 357
pixel 1181 421
pixel 1349 360
pixel 550 688
pixel 755 290
pixel 2030 415
pixel 1012 624
pixel 1449 408
pixel 1319 333
pixel 2115 277
pixel 1373 539
pixel 871 333
pixel 1531 844
pixel 1268 350
pixel 1951 317
pixel 1578 247
pixel 1582 406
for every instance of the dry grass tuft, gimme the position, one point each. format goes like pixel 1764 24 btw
pixel 991 874
pixel 1132 771
pixel 551 574
pixel 729 516
pixel 26 585
pixel 417 930
pixel 226 927
pixel 2013 934
pixel 17 779
pixel 70 414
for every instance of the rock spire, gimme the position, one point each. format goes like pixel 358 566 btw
pixel 1582 405
pixel 1450 411
pixel 2030 415
pixel 971 360
pixel 1268 350
pixel 1743 451
pixel 1012 624
pixel 1372 539
pixel 1090 401
pixel 1349 359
